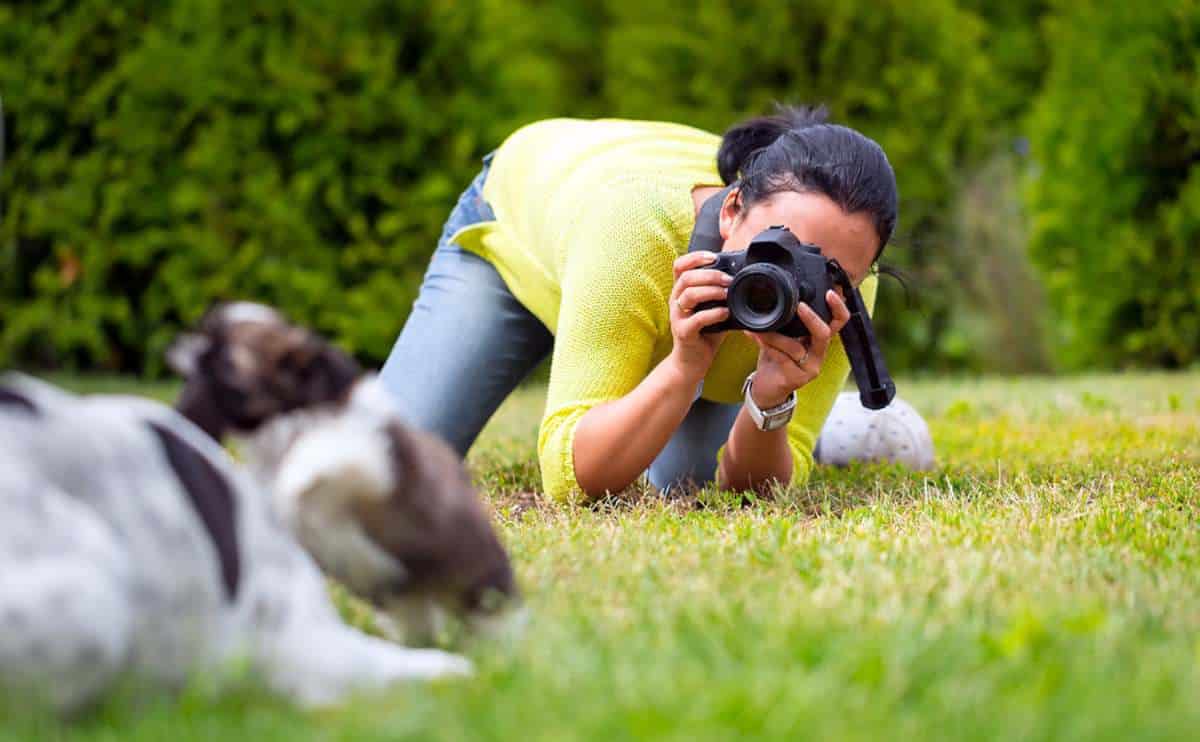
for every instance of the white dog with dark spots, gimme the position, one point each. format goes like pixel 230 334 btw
pixel 387 510
pixel 132 546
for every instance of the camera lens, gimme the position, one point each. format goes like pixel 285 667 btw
pixel 762 297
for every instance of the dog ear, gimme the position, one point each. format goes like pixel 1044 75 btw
pixel 322 373
pixel 196 403
pixel 183 355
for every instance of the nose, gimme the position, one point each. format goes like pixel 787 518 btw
pixel 506 625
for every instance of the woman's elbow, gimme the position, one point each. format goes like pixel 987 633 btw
pixel 595 481
pixel 576 489
pixel 576 477
pixel 599 463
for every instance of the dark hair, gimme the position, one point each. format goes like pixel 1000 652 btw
pixel 797 149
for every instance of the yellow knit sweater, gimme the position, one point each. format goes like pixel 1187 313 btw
pixel 590 216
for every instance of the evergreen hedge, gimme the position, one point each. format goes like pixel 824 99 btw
pixel 162 155
pixel 1115 199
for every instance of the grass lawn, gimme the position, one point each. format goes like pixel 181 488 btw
pixel 1044 583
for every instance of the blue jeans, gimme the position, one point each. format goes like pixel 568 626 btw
pixel 468 342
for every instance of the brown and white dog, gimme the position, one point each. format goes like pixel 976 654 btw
pixel 385 509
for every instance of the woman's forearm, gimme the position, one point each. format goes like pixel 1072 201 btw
pixel 616 441
pixel 754 458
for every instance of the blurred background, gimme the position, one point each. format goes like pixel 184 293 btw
pixel 164 154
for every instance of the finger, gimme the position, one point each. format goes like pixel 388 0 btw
pixel 692 324
pixel 701 277
pixel 789 346
pixel 796 374
pixel 692 260
pixel 797 361
pixel 694 296
pixel 817 328
pixel 841 313
pixel 762 340
pixel 756 338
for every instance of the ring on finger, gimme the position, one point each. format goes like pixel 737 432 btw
pixel 681 307
pixel 801 360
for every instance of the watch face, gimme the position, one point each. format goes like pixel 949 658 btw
pixel 774 422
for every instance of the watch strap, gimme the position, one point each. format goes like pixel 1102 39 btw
pixel 772 418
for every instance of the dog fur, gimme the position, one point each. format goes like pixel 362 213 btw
pixel 132 546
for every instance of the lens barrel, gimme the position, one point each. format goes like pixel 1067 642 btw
pixel 763 297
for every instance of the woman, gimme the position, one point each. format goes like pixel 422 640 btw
pixel 573 241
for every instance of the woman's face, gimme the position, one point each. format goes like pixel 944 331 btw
pixel 812 217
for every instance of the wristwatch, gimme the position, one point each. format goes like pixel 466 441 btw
pixel 772 418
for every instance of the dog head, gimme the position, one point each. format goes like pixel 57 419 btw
pixel 245 364
pixel 388 510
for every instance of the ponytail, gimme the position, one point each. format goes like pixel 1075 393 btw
pixel 744 139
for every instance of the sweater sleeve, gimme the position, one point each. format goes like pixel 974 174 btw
pixel 612 315
pixel 815 399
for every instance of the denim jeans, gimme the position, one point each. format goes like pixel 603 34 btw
pixel 468 342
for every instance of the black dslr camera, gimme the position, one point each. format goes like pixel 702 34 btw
pixel 772 276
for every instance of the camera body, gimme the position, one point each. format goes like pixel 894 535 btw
pixel 770 277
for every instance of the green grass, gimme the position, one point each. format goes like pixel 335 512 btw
pixel 1044 583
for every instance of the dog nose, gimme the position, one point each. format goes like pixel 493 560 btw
pixel 506 625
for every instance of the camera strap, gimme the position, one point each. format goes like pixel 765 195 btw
pixel 706 235
pixel 875 386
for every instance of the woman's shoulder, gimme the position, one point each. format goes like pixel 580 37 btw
pixel 602 127
pixel 570 140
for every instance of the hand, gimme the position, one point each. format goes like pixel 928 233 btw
pixel 784 363
pixel 693 351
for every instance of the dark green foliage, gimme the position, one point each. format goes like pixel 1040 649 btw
pixel 170 154
pixel 1115 201
pixel 163 155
